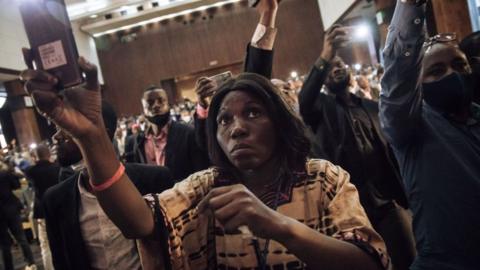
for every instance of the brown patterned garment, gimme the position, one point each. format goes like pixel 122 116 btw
pixel 322 198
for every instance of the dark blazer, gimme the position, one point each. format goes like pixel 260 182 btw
pixel 9 203
pixel 332 126
pixel 42 175
pixel 62 202
pixel 182 154
pixel 257 61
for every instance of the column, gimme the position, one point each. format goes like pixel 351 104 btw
pixel 23 114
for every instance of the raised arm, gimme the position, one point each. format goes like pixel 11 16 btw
pixel 401 99
pixel 259 56
pixel 334 39
pixel 259 59
pixel 78 112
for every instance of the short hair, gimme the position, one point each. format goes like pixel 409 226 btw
pixel 42 152
pixel 470 45
pixel 109 119
pixel 293 144
pixel 153 87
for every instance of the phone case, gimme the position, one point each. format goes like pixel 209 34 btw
pixel 51 40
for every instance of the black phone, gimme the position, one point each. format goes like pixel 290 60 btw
pixel 51 40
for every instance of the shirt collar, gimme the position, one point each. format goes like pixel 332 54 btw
pixel 163 131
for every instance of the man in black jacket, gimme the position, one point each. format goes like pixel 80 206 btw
pixel 165 142
pixel 81 236
pixel 347 133
pixel 10 209
pixel 43 175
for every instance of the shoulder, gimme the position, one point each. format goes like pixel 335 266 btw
pixel 327 172
pixel 58 193
pixel 370 104
pixel 322 167
pixel 198 183
pixel 181 127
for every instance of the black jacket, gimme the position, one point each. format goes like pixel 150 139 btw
pixel 42 175
pixel 62 202
pixel 332 126
pixel 182 154
pixel 9 203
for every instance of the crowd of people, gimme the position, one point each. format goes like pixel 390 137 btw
pixel 344 168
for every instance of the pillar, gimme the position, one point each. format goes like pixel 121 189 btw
pixel 23 114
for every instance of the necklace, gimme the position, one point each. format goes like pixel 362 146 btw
pixel 262 254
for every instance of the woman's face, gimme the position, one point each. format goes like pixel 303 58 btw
pixel 245 131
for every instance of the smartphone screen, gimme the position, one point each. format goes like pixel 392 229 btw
pixel 51 40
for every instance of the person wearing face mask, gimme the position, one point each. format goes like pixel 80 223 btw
pixel 471 47
pixel 347 132
pixel 427 114
pixel 165 142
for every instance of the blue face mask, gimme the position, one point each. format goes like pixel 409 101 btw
pixel 450 94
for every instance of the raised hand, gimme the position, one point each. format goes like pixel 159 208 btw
pixel 335 38
pixel 75 110
pixel 267 6
pixel 205 88
pixel 235 206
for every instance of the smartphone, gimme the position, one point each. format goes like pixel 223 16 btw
pixel 222 77
pixel 253 3
pixel 51 40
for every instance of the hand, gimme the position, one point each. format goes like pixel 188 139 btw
pixel 205 88
pixel 335 38
pixel 268 12
pixel 76 110
pixel 234 206
pixel 265 6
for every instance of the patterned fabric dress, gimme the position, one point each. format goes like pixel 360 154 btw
pixel 322 198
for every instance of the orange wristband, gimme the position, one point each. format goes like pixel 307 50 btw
pixel 109 182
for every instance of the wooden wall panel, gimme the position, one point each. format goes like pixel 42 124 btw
pixel 452 16
pixel 187 45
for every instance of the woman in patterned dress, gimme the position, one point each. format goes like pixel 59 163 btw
pixel 263 206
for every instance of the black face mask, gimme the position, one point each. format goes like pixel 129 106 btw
pixel 450 94
pixel 338 87
pixel 159 119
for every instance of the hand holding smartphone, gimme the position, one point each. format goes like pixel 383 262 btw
pixel 52 44
pixel 222 77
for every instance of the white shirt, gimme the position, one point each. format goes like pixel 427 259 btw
pixel 106 246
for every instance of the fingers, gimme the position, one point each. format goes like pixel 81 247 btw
pixel 332 28
pixel 91 74
pixel 227 211
pixel 38 75
pixel 47 102
pixel 336 33
pixel 340 42
pixel 33 85
pixel 204 204
pixel 202 82
pixel 28 57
